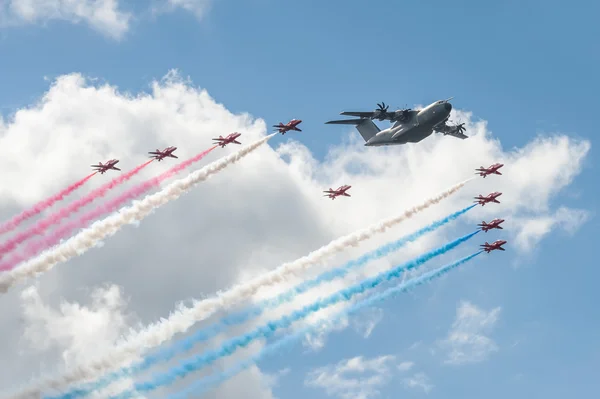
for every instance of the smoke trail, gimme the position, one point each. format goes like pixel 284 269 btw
pixel 41 206
pixel 53 238
pixel 56 217
pixel 270 328
pixel 184 318
pixel 201 386
pixel 207 333
pixel 85 240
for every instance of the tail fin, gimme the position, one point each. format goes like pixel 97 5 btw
pixel 365 127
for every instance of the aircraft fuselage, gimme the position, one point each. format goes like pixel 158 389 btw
pixel 417 128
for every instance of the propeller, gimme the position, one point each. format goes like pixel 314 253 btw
pixel 382 107
pixel 402 113
pixel 460 127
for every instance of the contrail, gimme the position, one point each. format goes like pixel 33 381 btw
pixel 184 318
pixel 266 331
pixel 88 238
pixel 40 207
pixel 56 217
pixel 198 388
pixel 187 343
pixel 54 238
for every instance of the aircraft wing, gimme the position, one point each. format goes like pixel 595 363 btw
pixel 449 131
pixel 457 135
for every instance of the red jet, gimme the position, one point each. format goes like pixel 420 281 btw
pixel 492 170
pixel 496 245
pixel 494 224
pixel 481 200
pixel 341 191
pixel 291 125
pixel 108 165
pixel 223 141
pixel 160 155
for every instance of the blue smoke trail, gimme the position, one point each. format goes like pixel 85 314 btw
pixel 205 384
pixel 270 328
pixel 186 344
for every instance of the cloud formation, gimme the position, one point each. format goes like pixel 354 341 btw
pixel 268 210
pixel 354 378
pixel 104 16
pixel 107 17
pixel 468 341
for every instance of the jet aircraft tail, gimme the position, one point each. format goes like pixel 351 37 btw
pixel 365 127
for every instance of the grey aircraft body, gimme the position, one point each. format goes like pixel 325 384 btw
pixel 410 126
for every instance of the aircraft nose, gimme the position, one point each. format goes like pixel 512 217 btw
pixel 448 107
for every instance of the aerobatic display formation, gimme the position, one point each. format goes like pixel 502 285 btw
pixel 59 235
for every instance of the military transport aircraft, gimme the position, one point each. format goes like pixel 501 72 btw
pixel 495 246
pixel 291 125
pixel 481 200
pixel 231 138
pixel 341 191
pixel 494 224
pixel 410 126
pixel 492 170
pixel 160 155
pixel 108 165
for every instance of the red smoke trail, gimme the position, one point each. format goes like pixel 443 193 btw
pixel 42 206
pixel 53 238
pixel 56 217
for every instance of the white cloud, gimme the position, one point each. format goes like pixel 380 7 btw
pixel 418 380
pixel 272 380
pixel 78 331
pixel 354 378
pixel 405 366
pixel 368 320
pixel 197 7
pixel 104 16
pixel 534 229
pixel 317 339
pixel 177 253
pixel 467 341
pixel 362 378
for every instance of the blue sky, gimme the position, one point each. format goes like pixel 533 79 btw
pixel 527 67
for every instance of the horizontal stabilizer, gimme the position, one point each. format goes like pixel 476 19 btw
pixel 365 127
pixel 345 122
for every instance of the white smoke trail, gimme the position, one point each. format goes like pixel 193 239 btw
pixel 182 319
pixel 89 237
